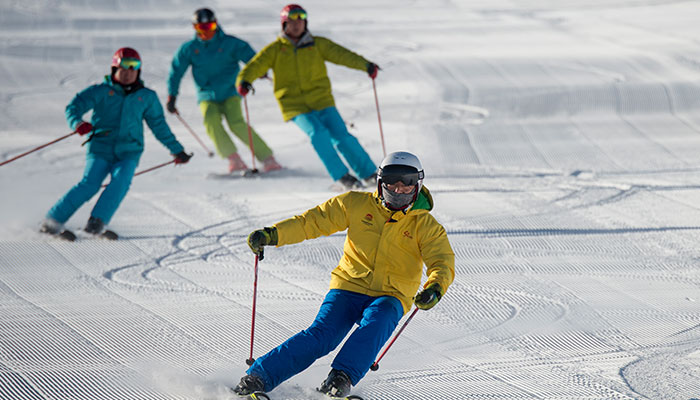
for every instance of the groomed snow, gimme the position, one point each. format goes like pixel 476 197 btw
pixel 561 142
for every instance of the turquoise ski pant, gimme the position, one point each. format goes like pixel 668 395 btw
pixel 329 136
pixel 96 170
pixel 376 318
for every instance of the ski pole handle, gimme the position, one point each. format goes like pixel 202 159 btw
pixel 250 359
pixel 375 366
pixel 209 152
pixel 37 148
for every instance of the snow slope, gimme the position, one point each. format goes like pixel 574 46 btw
pixel 560 140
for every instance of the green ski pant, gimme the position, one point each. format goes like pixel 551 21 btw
pixel 231 109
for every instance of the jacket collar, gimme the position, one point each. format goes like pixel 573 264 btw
pixel 119 88
pixel 305 40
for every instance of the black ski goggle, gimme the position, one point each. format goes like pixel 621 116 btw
pixel 394 173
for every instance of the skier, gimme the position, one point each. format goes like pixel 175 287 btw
pixel 214 57
pixel 303 91
pixel 390 234
pixel 119 106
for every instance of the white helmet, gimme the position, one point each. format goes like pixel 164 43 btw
pixel 399 166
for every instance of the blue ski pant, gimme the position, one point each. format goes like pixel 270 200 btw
pixel 329 136
pixel 96 170
pixel 376 318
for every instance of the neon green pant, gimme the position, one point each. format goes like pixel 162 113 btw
pixel 231 109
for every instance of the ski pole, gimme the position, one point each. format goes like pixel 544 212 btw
pixel 379 116
pixel 37 148
pixel 177 114
pixel 250 134
pixel 149 169
pixel 375 366
pixel 250 359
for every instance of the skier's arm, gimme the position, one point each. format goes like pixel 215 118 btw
pixel 244 51
pixel 178 67
pixel 155 119
pixel 437 255
pixel 338 54
pixel 323 220
pixel 79 105
pixel 258 65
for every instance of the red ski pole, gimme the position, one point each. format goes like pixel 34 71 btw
pixel 37 148
pixel 211 153
pixel 250 359
pixel 150 169
pixel 379 116
pixel 375 366
pixel 250 133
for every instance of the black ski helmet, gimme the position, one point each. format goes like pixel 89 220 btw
pixel 203 15
pixel 399 166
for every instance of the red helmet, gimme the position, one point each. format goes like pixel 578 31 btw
pixel 290 9
pixel 124 52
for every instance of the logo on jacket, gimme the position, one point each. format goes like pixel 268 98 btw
pixel 140 98
pixel 367 220
pixel 111 93
pixel 407 234
pixel 196 51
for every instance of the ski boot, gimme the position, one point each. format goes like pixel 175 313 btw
pixel 336 385
pixel 251 387
pixel 96 227
pixel 236 164
pixel 270 164
pixel 54 228
pixel 349 182
pixel 370 181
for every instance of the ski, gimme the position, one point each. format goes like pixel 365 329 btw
pixel 248 173
pixel 255 396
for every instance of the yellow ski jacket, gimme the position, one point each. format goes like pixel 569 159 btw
pixel 301 81
pixel 384 250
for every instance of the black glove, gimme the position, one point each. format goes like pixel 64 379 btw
pixel 428 297
pixel 182 157
pixel 372 70
pixel 244 88
pixel 261 238
pixel 170 105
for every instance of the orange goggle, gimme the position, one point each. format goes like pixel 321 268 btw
pixel 130 63
pixel 205 27
pixel 297 14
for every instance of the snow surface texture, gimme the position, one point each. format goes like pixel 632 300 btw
pixel 561 140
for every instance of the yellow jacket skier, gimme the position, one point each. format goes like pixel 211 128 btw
pixel 390 235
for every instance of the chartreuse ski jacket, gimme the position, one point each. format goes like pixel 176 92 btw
pixel 384 250
pixel 118 119
pixel 215 65
pixel 301 81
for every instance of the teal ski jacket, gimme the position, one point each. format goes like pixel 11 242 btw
pixel 118 119
pixel 215 65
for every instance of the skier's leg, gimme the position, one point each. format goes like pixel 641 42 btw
pixel 337 315
pixel 238 125
pixel 110 199
pixel 96 169
pixel 212 124
pixel 321 141
pixel 379 320
pixel 347 144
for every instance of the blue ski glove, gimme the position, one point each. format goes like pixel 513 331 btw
pixel 428 297
pixel 257 240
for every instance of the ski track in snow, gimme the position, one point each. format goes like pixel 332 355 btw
pixel 560 142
